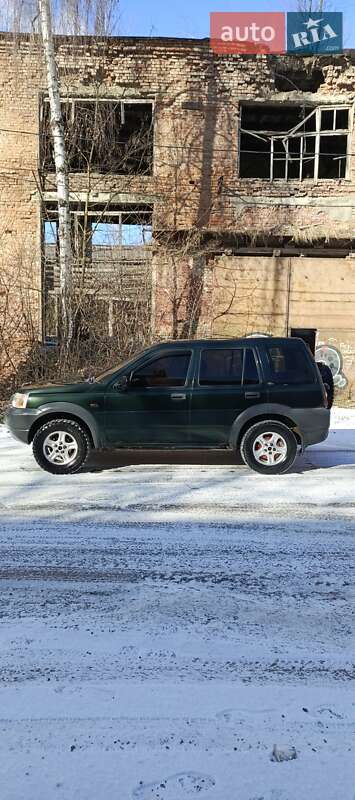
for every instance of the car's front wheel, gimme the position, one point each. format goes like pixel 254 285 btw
pixel 269 447
pixel 61 446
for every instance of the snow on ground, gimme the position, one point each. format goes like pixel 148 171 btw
pixel 167 619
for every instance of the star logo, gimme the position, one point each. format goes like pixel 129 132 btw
pixel 314 31
pixel 312 23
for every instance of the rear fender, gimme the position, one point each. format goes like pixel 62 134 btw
pixel 259 412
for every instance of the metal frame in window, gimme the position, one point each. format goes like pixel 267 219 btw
pixel 298 133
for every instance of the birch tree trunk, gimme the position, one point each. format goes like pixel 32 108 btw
pixel 61 174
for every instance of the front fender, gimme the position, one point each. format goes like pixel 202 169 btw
pixel 75 411
pixel 263 411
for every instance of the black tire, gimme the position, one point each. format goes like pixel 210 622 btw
pixel 328 380
pixel 76 438
pixel 254 436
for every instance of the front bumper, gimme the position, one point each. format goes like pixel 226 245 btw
pixel 19 422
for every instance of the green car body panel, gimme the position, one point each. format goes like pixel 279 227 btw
pixel 118 414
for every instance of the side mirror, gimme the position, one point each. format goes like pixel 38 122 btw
pixel 121 384
pixel 138 381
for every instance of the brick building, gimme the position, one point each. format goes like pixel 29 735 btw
pixel 232 214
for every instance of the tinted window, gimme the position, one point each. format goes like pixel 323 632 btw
pixel 226 367
pixel 289 364
pixel 165 371
pixel 221 367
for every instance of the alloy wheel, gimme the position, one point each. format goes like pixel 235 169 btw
pixel 270 449
pixel 60 447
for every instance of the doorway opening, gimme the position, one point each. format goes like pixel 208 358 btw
pixel 308 335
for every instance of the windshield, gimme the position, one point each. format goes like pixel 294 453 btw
pixel 104 376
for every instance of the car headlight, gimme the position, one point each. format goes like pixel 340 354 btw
pixel 19 400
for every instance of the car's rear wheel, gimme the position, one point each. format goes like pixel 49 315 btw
pixel 328 381
pixel 61 446
pixel 269 447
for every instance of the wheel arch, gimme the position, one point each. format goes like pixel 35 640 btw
pixel 51 413
pixel 246 421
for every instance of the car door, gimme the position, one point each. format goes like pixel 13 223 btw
pixel 153 409
pixel 227 382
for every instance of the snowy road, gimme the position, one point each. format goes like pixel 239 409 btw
pixel 163 626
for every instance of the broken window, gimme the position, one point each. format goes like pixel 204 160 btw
pixel 121 233
pixel 294 142
pixel 108 226
pixel 102 136
pixel 50 252
pixel 50 232
pixel 118 244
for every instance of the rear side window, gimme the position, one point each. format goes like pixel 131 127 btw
pixel 229 367
pixel 289 364
pixel 170 370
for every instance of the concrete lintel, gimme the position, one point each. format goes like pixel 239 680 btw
pixel 124 198
pixel 78 91
pixel 342 201
pixel 313 98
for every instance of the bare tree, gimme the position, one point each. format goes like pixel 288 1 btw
pixel 312 6
pixel 86 17
pixel 17 15
pixel 61 170
pixel 70 17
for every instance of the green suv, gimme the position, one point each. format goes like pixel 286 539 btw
pixel 261 396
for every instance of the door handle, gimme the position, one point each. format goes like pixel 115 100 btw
pixel 178 396
pixel 252 395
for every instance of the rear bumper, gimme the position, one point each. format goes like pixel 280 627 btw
pixel 313 424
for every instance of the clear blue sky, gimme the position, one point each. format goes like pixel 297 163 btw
pixel 190 18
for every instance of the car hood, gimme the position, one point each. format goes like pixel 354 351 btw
pixel 53 388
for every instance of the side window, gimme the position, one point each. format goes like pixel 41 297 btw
pixel 221 367
pixel 170 370
pixel 228 367
pixel 289 364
